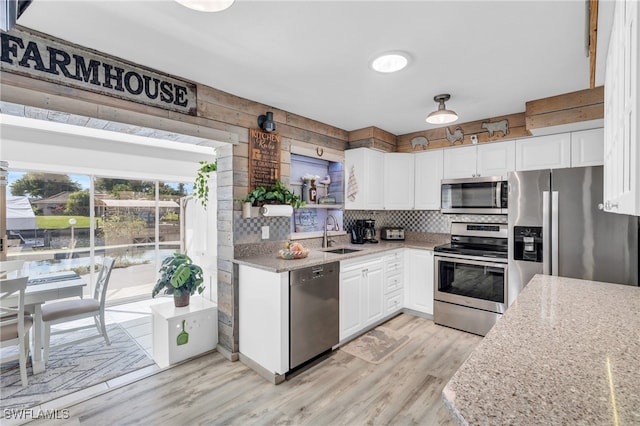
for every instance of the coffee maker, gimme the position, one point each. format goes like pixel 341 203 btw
pixel 364 231
pixel 357 232
pixel 369 234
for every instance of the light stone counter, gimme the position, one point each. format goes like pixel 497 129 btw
pixel 567 352
pixel 273 263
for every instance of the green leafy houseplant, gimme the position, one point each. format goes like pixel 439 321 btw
pixel 179 276
pixel 201 185
pixel 277 193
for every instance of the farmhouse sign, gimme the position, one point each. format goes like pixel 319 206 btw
pixel 43 58
pixel 264 158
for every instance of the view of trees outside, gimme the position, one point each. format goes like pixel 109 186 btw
pixel 136 222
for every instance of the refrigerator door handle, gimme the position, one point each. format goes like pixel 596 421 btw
pixel 554 233
pixel 546 234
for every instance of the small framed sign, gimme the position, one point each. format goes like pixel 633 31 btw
pixel 264 158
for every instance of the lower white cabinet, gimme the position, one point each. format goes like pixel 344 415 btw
pixel 361 294
pixel 393 281
pixel 263 299
pixel 418 289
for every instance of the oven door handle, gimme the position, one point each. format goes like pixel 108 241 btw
pixel 502 266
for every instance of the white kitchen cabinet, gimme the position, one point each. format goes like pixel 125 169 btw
pixel 482 160
pixel 367 166
pixel 428 175
pixel 398 181
pixel 373 290
pixel 496 159
pixel 418 288
pixel 587 148
pixel 393 281
pixel 622 125
pixel 544 152
pixel 263 299
pixel 459 162
pixel 361 294
pixel 351 305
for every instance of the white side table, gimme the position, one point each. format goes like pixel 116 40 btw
pixel 200 323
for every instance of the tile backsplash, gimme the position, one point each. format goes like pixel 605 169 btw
pixel 250 230
pixel 417 220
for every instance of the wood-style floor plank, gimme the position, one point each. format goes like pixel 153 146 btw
pixel 405 389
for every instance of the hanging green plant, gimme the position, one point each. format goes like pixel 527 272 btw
pixel 201 185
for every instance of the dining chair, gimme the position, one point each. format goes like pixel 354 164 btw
pixel 8 266
pixel 71 310
pixel 14 324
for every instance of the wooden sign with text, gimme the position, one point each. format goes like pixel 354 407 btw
pixel 264 158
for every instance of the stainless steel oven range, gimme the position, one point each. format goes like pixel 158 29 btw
pixel 470 291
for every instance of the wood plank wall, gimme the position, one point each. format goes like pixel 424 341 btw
pixel 222 117
pixel 583 105
pixel 373 137
pixel 437 137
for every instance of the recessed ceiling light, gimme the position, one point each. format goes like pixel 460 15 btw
pixel 206 5
pixel 390 62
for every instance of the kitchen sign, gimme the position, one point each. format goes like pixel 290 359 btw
pixel 44 58
pixel 264 158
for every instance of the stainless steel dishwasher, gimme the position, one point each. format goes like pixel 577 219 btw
pixel 314 311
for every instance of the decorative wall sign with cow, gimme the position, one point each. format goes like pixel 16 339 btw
pixel 498 126
pixel 456 136
pixel 419 141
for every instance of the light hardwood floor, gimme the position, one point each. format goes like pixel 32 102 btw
pixel 404 389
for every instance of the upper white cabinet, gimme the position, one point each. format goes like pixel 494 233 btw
pixel 428 174
pixel 364 179
pixel 587 148
pixel 621 94
pixel 398 181
pixel 490 159
pixel 496 159
pixel 544 152
pixel 459 162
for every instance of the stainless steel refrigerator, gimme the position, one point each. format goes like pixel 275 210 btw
pixel 557 227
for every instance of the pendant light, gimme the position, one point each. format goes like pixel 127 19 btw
pixel 206 5
pixel 442 115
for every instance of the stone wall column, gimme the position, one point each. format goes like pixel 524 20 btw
pixel 227 281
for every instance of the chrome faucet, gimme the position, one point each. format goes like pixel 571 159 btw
pixel 326 242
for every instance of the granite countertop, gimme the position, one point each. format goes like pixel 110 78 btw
pixel 318 256
pixel 566 352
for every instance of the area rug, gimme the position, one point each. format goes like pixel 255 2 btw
pixel 73 368
pixel 376 345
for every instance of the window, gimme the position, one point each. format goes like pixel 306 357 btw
pixel 61 222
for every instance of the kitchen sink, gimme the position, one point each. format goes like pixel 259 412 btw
pixel 342 250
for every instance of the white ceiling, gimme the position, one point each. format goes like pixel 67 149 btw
pixel 311 57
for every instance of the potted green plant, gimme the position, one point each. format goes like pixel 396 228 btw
pixel 180 277
pixel 201 184
pixel 277 193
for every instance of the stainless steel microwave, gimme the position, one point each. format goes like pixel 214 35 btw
pixel 481 195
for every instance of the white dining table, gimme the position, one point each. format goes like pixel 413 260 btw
pixel 45 288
